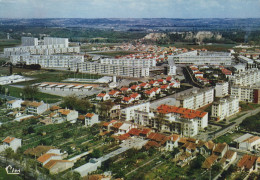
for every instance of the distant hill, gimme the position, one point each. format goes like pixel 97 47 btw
pixel 140 24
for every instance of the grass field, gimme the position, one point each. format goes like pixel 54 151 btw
pixel 213 47
pixel 5 176
pixel 5 43
pixel 48 98
pixel 248 106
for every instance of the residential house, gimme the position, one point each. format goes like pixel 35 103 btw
pixel 165 87
pixel 125 89
pixel 145 85
pixel 11 142
pixel 57 166
pixel 210 161
pixel 135 96
pixel 66 115
pixel 14 104
pixel 125 128
pixel 162 81
pixel 91 119
pixel 154 83
pixel 172 142
pixel 220 149
pixel 36 107
pixel 127 100
pixel 247 163
pixel 248 142
pixel 207 148
pixel 107 125
pixel 156 90
pixel 102 97
pixel 150 93
pixel 114 93
pixel 135 87
pixel 228 158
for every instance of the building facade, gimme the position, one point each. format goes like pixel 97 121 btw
pixel 221 89
pixel 246 93
pixel 225 108
pixel 130 62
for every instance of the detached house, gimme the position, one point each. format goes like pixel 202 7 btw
pixel 127 100
pixel 220 149
pixel 36 107
pixel 145 85
pixel 135 96
pixel 14 104
pixel 172 142
pixel 135 88
pixel 114 93
pixel 228 158
pixel 102 97
pixel 247 163
pixel 11 142
pixel 91 119
pixel 67 115
pixel 149 93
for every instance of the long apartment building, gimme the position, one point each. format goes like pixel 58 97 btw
pixel 110 69
pixel 245 78
pixel 200 58
pixel 225 108
pixel 48 60
pixel 195 98
pixel 42 49
pixel 130 62
pixel 246 93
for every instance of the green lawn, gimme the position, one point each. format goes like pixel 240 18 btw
pixel 248 106
pixel 48 98
pixel 227 138
pixel 5 176
pixel 5 43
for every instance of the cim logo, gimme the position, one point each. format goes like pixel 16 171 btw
pixel 10 170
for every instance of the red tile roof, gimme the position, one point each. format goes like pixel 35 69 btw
pixel 247 162
pixel 8 139
pixel 184 112
pixel 101 95
pixel 134 95
pixel 89 115
pixel 134 132
pixel 127 99
pixel 45 157
pixel 113 92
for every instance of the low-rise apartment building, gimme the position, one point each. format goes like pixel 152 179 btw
pixel 128 113
pixel 48 60
pixel 130 62
pixel 36 107
pixel 246 93
pixel 225 108
pixel 110 69
pixel 195 57
pixel 245 78
pixel 221 89
pixel 195 98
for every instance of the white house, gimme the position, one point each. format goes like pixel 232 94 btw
pixel 14 104
pixel 248 142
pixel 36 107
pixel 172 142
pixel 102 97
pixel 11 142
pixel 91 119
pixel 125 128
pixel 68 115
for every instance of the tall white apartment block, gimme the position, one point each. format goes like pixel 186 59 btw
pixel 245 78
pixel 221 89
pixel 29 41
pixel 109 69
pixel 200 58
pixel 55 41
pixel 225 108
pixel 130 62
pixel 40 50
pixel 48 60
pixel 195 98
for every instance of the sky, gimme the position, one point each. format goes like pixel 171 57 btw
pixel 130 9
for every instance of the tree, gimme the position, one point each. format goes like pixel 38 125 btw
pixel 104 108
pixel 96 153
pixel 30 91
pixel 8 154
